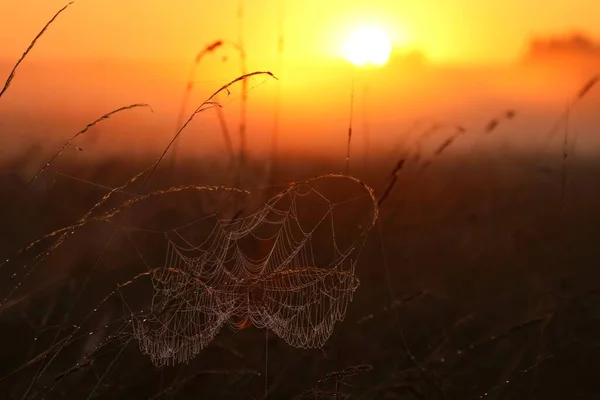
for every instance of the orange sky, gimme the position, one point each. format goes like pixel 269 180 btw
pixel 142 50
pixel 448 30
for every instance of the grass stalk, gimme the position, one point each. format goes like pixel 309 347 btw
pixel 13 72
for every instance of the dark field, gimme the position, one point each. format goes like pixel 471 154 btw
pixel 479 280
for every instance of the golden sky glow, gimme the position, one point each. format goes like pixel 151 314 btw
pixel 450 30
pixel 142 50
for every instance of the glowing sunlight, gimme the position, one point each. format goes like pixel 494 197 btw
pixel 368 45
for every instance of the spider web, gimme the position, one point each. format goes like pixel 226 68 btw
pixel 288 267
pixel 282 268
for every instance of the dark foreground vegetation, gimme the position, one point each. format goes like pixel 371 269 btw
pixel 480 280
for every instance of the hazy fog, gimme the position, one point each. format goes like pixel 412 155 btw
pixel 50 101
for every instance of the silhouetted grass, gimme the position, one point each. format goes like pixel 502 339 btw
pixel 81 132
pixel 12 74
pixel 205 105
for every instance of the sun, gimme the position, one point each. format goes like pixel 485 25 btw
pixel 368 45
